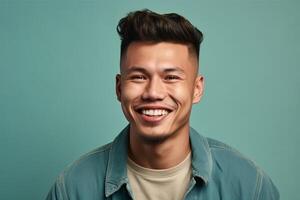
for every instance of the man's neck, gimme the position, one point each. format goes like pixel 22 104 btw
pixel 161 155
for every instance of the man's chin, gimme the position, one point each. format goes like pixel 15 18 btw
pixel 153 135
pixel 154 138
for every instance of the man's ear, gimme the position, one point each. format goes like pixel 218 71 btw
pixel 118 86
pixel 198 89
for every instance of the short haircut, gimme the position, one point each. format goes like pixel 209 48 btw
pixel 148 26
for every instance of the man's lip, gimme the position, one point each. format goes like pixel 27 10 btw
pixel 153 119
pixel 153 107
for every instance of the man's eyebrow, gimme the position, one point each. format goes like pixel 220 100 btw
pixel 174 69
pixel 136 69
pixel 144 70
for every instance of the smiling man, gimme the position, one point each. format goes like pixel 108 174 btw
pixel 157 86
pixel 158 155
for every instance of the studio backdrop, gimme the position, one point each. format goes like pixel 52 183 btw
pixel 58 61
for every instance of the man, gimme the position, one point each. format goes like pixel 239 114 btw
pixel 158 156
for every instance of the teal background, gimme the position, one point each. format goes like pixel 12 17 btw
pixel 58 61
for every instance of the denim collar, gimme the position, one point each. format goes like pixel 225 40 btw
pixel 116 174
pixel 201 156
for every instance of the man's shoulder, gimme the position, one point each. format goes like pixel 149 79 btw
pixel 84 177
pixel 222 149
pixel 231 166
pixel 219 153
pixel 93 174
pixel 225 156
pixel 229 172
pixel 94 161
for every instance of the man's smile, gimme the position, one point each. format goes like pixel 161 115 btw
pixel 153 113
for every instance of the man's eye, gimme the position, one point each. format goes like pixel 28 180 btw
pixel 171 77
pixel 138 77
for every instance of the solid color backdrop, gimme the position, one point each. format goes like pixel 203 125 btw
pixel 58 61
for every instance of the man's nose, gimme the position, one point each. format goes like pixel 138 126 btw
pixel 155 90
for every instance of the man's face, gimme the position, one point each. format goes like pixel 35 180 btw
pixel 157 86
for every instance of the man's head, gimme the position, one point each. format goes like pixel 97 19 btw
pixel 148 26
pixel 159 79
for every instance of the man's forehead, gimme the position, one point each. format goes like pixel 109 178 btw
pixel 172 56
pixel 151 46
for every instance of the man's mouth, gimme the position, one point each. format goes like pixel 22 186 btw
pixel 154 112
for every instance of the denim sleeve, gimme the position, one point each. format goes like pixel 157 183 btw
pixel 57 192
pixel 266 190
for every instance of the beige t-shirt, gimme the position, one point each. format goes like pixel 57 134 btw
pixel 165 184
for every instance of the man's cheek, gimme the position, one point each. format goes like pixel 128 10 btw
pixel 178 92
pixel 131 92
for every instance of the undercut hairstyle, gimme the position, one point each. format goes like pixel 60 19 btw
pixel 148 26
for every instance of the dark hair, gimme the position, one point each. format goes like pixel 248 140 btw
pixel 148 26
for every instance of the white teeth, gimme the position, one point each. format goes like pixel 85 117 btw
pixel 156 112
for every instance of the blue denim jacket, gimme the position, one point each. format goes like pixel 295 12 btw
pixel 218 173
